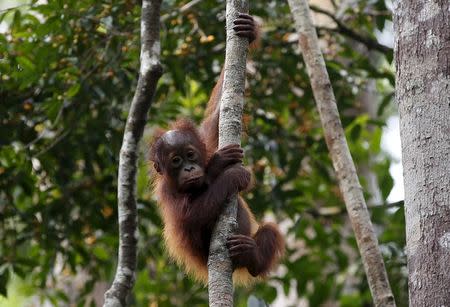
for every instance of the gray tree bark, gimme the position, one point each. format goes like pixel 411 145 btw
pixel 422 59
pixel 149 74
pixel 342 161
pixel 220 281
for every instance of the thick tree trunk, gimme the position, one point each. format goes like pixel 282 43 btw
pixel 340 155
pixel 422 58
pixel 220 282
pixel 149 74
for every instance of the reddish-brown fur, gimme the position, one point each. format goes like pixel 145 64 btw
pixel 189 215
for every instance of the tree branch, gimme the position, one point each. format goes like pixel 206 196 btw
pixel 220 282
pixel 340 154
pixel 149 74
pixel 334 211
pixel 344 30
pixel 182 10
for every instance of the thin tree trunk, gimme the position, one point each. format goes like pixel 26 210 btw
pixel 149 74
pixel 422 58
pixel 220 282
pixel 341 157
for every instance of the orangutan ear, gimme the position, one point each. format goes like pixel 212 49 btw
pixel 157 167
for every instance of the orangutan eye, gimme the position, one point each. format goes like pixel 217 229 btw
pixel 176 161
pixel 191 155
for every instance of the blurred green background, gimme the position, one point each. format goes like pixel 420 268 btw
pixel 68 70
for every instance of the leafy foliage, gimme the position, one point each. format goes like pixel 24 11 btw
pixel 68 70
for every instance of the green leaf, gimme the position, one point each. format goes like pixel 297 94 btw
pixel 100 253
pixel 26 63
pixel 4 278
pixel 375 141
pixel 102 29
pixel 384 103
pixel 73 90
pixel 52 108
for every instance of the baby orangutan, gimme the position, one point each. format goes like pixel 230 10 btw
pixel 193 183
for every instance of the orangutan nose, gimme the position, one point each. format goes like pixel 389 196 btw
pixel 189 168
